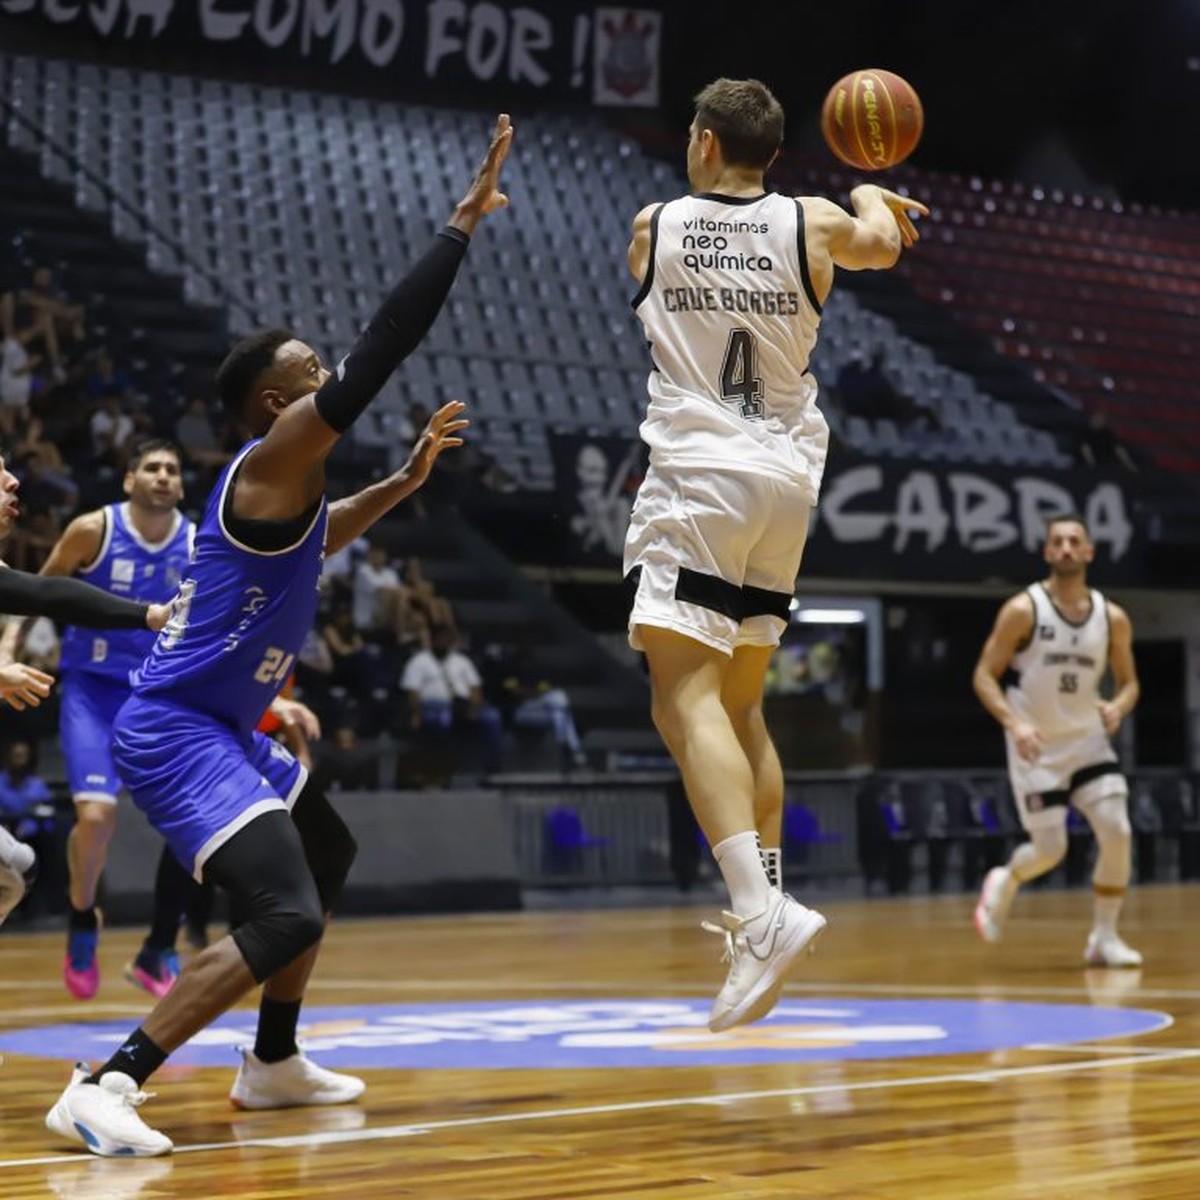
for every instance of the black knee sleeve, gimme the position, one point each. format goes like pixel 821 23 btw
pixel 264 869
pixel 328 845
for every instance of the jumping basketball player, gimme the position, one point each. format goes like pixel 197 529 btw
pixel 732 280
pixel 1061 636
pixel 138 549
pixel 230 802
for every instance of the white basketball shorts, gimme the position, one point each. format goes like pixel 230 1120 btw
pixel 714 554
pixel 1076 770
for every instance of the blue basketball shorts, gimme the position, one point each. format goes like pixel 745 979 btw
pixel 89 707
pixel 198 780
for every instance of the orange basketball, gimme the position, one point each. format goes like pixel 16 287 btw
pixel 872 119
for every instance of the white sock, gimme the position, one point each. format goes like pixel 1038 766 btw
pixel 1106 910
pixel 772 859
pixel 741 864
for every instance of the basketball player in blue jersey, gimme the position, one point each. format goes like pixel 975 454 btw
pixel 731 280
pixel 23 686
pixel 139 549
pixel 234 806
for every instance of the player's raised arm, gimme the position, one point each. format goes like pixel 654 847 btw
pixel 870 239
pixel 74 603
pixel 1013 628
pixel 77 547
pixel 354 515
pixel 306 430
pixel 638 254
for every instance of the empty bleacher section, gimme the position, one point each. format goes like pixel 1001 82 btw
pixel 297 208
pixel 1094 299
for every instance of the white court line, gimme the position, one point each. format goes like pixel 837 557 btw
pixel 392 1132
pixel 640 987
pixel 832 987
pixel 1084 1048
pixel 133 1008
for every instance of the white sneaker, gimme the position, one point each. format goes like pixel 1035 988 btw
pixel 995 898
pixel 101 1116
pixel 757 969
pixel 291 1082
pixel 1106 949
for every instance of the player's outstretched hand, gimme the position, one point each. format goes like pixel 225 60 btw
pixel 900 207
pixel 441 433
pixel 294 715
pixel 157 615
pixel 1028 741
pixel 23 687
pixel 1110 717
pixel 484 194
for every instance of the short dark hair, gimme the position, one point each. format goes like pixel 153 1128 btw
pixel 1073 517
pixel 153 445
pixel 248 359
pixel 746 118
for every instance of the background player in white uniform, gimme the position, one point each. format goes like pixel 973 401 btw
pixel 732 283
pixel 1062 636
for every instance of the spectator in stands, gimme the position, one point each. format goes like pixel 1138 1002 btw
pixel 111 429
pixel 445 691
pixel 33 439
pixel 107 379
pixel 337 574
pixel 41 647
pixel 26 811
pixel 59 322
pixel 17 368
pixel 315 654
pixel 375 580
pixel 529 700
pixel 348 649
pixel 44 490
pixel 29 543
pixel 345 764
pixel 21 789
pixel 195 433
pixel 383 605
pixel 424 596
pixel 1101 449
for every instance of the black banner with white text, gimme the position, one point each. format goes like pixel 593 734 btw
pixel 886 520
pixel 498 52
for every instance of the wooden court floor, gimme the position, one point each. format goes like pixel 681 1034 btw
pixel 1060 1081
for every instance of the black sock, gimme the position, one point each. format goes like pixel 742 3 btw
pixel 138 1058
pixel 276 1038
pixel 172 889
pixel 82 920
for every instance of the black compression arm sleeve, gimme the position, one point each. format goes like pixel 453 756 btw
pixel 68 600
pixel 394 332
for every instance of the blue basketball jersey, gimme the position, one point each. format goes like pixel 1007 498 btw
pixel 128 566
pixel 240 620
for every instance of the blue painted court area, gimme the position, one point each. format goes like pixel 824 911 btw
pixel 622 1033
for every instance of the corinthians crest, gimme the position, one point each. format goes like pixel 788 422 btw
pixel 627 56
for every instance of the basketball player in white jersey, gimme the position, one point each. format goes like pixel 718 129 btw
pixel 1061 636
pixel 732 279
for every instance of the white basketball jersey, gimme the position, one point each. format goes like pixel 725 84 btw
pixel 1061 669
pixel 731 318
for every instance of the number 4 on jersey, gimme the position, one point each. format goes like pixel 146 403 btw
pixel 739 381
